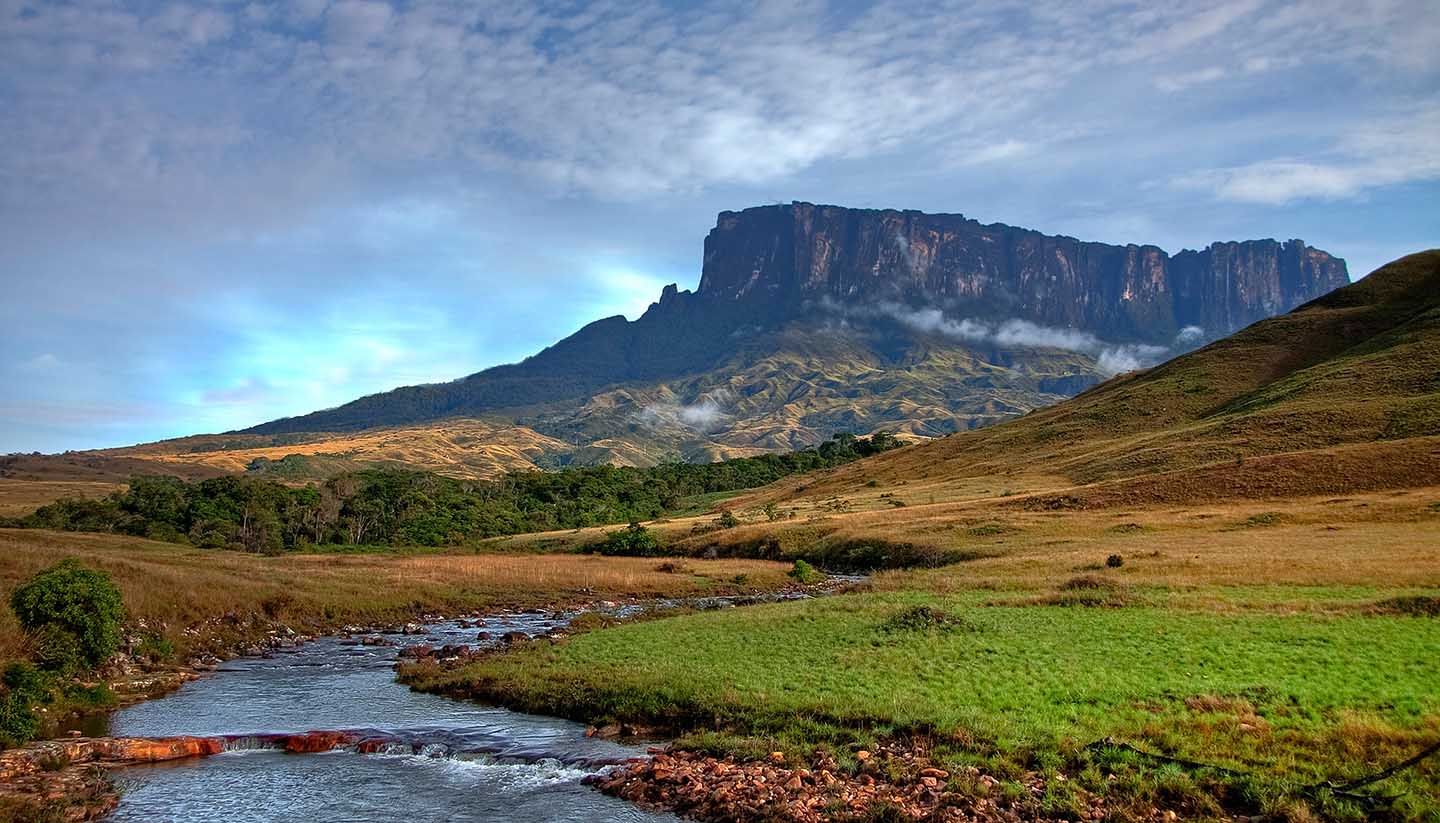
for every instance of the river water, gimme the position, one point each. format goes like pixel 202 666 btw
pixel 461 761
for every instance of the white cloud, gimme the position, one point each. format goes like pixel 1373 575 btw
pixel 1110 358
pixel 46 362
pixel 1399 149
pixel 626 100
pixel 1180 82
pixel 1189 336
pixel 706 414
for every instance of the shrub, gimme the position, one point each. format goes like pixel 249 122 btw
pixel 21 687
pixel 727 520
pixel 1114 561
pixel 68 598
pixel 925 618
pixel 56 649
pixel 805 573
pixel 155 648
pixel 633 541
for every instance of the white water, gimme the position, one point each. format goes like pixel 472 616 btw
pixel 475 763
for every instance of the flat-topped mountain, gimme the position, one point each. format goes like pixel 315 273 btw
pixel 808 320
pixel 784 257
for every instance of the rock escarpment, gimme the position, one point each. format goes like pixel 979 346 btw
pixel 781 260
pixel 770 268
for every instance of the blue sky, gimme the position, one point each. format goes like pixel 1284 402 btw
pixel 217 213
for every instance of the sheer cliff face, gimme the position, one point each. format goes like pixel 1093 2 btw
pixel 779 260
pixel 759 329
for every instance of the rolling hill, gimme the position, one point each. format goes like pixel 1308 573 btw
pixel 1339 396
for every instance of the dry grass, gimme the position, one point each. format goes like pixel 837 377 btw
pixel 19 497
pixel 176 587
pixel 1384 540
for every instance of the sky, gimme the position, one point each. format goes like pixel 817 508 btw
pixel 214 214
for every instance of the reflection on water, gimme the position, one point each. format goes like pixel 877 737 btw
pixel 482 764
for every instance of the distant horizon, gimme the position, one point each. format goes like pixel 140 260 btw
pixel 219 214
pixel 241 428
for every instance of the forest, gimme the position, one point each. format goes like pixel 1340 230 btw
pixel 411 508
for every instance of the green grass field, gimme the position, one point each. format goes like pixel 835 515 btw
pixel 1283 700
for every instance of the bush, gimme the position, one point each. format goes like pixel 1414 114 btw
pixel 21 687
pixel 70 599
pixel 925 618
pixel 1114 561
pixel 633 541
pixel 805 573
pixel 155 648
pixel 727 520
pixel 56 649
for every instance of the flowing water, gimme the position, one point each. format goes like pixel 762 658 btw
pixel 459 761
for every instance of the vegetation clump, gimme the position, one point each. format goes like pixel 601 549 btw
pixel 805 573
pixel 925 618
pixel 73 613
pixel 72 617
pixel 1413 605
pixel 633 541
pixel 22 687
pixel 1114 561
pixel 1089 590
pixel 401 507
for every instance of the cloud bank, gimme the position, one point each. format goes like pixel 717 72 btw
pixel 504 171
pixel 1110 358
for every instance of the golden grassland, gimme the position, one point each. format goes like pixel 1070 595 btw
pixel 1375 539
pixel 18 497
pixel 176 587
pixel 471 449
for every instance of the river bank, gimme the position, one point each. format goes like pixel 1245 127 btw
pixel 70 779
pixel 1041 704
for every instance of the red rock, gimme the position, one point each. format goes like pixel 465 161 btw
pixel 315 742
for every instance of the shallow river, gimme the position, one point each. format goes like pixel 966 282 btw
pixel 476 763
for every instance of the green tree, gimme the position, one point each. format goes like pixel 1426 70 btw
pixel 70 606
pixel 634 541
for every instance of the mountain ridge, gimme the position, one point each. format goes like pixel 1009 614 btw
pixel 807 321
pixel 864 252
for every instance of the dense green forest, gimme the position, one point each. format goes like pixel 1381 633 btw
pixel 399 507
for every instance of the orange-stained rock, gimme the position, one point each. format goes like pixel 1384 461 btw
pixel 314 742
pixel 155 750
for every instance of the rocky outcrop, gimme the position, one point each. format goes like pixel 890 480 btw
pixel 775 279
pixel 777 260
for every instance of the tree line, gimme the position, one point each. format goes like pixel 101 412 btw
pixel 405 507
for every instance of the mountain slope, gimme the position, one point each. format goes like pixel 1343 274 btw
pixel 1340 394
pixel 808 321
pixel 769 267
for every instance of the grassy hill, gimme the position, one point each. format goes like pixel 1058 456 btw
pixel 777 392
pixel 1343 392
pixel 1207 591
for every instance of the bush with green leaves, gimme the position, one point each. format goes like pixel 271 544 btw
pixel 21 687
pixel 633 541
pixel 805 573
pixel 72 614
